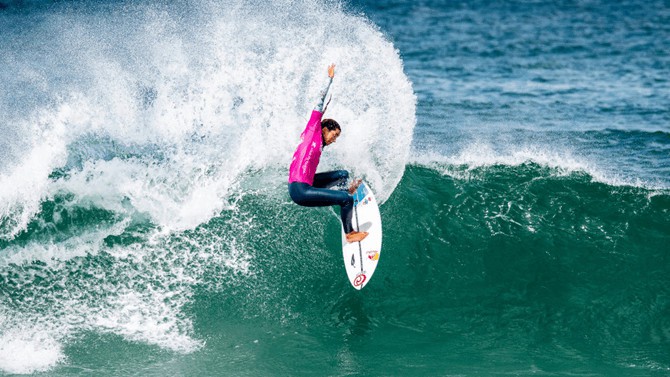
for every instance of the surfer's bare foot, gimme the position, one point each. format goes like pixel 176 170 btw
pixel 356 236
pixel 354 185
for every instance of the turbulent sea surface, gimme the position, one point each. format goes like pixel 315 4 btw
pixel 521 150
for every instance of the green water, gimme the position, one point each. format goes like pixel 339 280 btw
pixel 495 271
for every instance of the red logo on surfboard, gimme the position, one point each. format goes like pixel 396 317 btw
pixel 360 279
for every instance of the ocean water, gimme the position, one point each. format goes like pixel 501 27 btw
pixel 521 150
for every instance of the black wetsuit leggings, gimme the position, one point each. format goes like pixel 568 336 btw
pixel 320 194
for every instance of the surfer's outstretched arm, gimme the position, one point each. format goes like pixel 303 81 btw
pixel 320 106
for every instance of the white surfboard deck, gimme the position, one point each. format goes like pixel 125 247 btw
pixel 361 258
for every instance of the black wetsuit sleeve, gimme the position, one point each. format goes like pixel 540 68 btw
pixel 320 106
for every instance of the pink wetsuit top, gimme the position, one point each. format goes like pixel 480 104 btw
pixel 307 155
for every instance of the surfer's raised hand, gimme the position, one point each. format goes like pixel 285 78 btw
pixel 331 70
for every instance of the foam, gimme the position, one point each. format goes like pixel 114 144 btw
pixel 52 253
pixel 210 104
pixel 147 317
pixel 24 350
pixel 22 188
pixel 136 291
pixel 478 154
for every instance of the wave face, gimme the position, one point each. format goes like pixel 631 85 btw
pixel 134 130
pixel 531 267
pixel 508 263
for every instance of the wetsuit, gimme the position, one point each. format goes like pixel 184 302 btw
pixel 309 189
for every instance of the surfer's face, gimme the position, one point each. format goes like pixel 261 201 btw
pixel 330 136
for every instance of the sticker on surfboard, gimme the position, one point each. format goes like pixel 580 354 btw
pixel 361 258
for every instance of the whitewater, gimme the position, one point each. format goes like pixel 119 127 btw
pixel 147 120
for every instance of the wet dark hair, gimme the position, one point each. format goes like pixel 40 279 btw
pixel 330 124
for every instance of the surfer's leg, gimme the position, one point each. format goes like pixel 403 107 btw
pixel 309 196
pixel 346 212
pixel 331 179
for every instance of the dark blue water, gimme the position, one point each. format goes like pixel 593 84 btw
pixel 521 151
pixel 583 79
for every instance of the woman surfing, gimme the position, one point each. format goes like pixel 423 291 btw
pixel 309 189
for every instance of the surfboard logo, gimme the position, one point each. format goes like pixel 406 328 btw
pixel 359 280
pixel 360 194
pixel 373 255
pixel 353 260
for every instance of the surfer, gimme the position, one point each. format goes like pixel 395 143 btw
pixel 309 189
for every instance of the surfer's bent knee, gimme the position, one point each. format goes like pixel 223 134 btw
pixel 302 194
pixel 349 201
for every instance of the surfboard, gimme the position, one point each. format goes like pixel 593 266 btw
pixel 361 258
